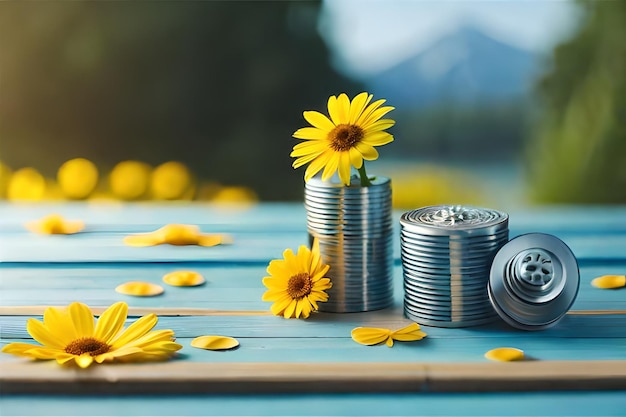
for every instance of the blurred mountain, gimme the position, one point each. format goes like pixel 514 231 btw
pixel 465 67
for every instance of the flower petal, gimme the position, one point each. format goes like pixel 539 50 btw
pixel 358 105
pixel 375 116
pixel 368 152
pixel 139 289
pixel 318 120
pixel 368 111
pixel 111 322
pixel 40 333
pixel 291 309
pixel 19 349
pixel 379 125
pixel 310 133
pixel 609 281
pixel 370 335
pixel 184 279
pixel 378 138
pixel 136 330
pixel 331 166
pixel 356 159
pixel 214 342
pixel 83 360
pixel 60 324
pixel 83 319
pixel 317 164
pixel 344 167
pixel 505 354
pixel 409 333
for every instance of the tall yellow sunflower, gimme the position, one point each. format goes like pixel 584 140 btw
pixel 343 140
pixel 297 283
pixel 69 334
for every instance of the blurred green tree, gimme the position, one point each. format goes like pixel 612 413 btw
pixel 578 152
pixel 218 85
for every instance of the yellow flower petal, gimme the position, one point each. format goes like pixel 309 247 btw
pixel 42 335
pixel 178 235
pixel 55 224
pixel 358 105
pixel 316 165
pixel 318 120
pixel 184 279
pixel 311 133
pixel 60 323
pixel 18 349
pixel 135 331
pixel 609 281
pixel 505 354
pixel 214 342
pixel 409 333
pixel 111 322
pixel 344 167
pixel 139 289
pixel 331 166
pixel 82 318
pixel 83 360
pixel 370 335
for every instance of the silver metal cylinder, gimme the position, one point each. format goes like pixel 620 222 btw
pixel 354 228
pixel 446 258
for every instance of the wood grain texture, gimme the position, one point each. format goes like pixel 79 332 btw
pixel 185 378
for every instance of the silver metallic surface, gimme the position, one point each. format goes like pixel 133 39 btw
pixel 353 225
pixel 446 254
pixel 534 280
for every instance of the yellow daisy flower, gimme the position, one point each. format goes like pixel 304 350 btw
pixel 297 283
pixel 343 140
pixel 70 335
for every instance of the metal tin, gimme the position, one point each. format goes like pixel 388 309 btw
pixel 446 254
pixel 534 280
pixel 354 227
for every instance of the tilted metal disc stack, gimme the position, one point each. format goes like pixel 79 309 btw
pixel 447 252
pixel 354 228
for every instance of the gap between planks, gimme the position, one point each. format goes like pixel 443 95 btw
pixel 176 311
pixel 254 378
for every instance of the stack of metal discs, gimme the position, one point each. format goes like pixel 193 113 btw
pixel 354 228
pixel 447 253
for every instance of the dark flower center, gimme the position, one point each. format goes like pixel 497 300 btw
pixel 343 137
pixel 299 286
pixel 89 345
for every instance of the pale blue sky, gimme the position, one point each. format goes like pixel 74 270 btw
pixel 368 36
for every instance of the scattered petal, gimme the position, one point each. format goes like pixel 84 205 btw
pixel 609 281
pixel 409 333
pixel 505 354
pixel 373 336
pixel 183 279
pixel 139 289
pixel 370 335
pixel 55 224
pixel 214 342
pixel 177 235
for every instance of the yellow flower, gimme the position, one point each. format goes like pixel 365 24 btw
pixel 344 140
pixel 130 180
pixel 297 283
pixel 70 335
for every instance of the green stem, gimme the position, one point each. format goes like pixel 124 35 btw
pixel 365 181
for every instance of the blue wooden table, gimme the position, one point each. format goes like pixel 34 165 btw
pixel 296 367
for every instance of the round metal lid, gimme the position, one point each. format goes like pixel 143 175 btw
pixel 533 281
pixel 449 221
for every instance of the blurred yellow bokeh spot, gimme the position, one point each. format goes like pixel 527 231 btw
pixel 130 180
pixel 77 178
pixel 432 185
pixel 26 184
pixel 235 195
pixel 171 181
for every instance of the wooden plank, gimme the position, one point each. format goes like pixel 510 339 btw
pixel 187 378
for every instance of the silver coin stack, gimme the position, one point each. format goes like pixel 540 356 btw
pixel 354 228
pixel 447 253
